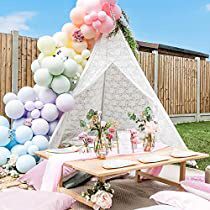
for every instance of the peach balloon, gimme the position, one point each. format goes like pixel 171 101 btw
pixel 69 28
pixel 77 16
pixel 79 46
pixel 88 31
pixel 91 43
pixel 107 26
pixel 117 12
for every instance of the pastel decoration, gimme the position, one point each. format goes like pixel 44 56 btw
pixel 41 56
pixel 93 16
pixel 65 102
pixel 70 68
pixel 18 150
pixel 65 53
pixel 96 25
pixel 88 20
pixel 35 65
pixel 35 114
pixel 90 5
pixel 9 97
pixel 60 84
pixel 42 77
pixel 78 58
pixel 85 54
pixel 88 31
pixel 27 144
pixel 18 122
pixel 77 16
pixel 4 121
pixel 25 163
pixel 32 149
pixel 41 142
pixel 49 112
pixel 46 45
pixel 107 26
pixel 38 104
pixel 14 109
pixel 4 136
pixel 47 96
pixel 40 126
pixel 61 39
pixel 26 94
pixel 52 127
pixel 5 154
pixel 69 29
pixel 11 144
pixel 23 133
pixel 117 12
pixel 38 88
pixel 79 46
pixel 29 106
pixel 53 64
pixel 102 16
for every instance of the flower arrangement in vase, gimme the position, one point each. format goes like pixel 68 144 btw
pixel 102 131
pixel 147 124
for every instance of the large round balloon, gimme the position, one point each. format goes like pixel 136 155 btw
pixel 42 77
pixel 49 112
pixel 53 125
pixel 77 16
pixel 14 109
pixel 47 96
pixel 18 150
pixel 32 149
pixel 35 65
pixel 41 142
pixel 18 122
pixel 65 52
pixel 46 45
pixel 29 106
pixel 23 134
pixel 70 68
pixel 4 121
pixel 25 163
pixel 60 84
pixel 61 39
pixel 54 65
pixel 5 154
pixel 65 102
pixel 26 94
pixel 40 127
pixel 9 97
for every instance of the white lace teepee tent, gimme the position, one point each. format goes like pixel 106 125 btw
pixel 114 82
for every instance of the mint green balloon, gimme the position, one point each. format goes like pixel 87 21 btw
pixel 60 84
pixel 70 68
pixel 42 77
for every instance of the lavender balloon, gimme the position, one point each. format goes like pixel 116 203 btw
pixel 41 142
pixel 26 94
pixel 40 126
pixel 38 105
pixel 23 134
pixel 29 106
pixel 47 96
pixel 50 112
pixel 65 102
pixel 52 127
pixel 35 114
pixel 17 123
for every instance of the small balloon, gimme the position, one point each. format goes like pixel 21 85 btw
pixel 49 112
pixel 27 144
pixel 25 163
pixel 60 84
pixel 35 114
pixel 38 104
pixel 41 142
pixel 79 46
pixel 23 133
pixel 18 150
pixel 29 106
pixel 107 26
pixel 85 54
pixel 78 58
pixel 32 149
pixel 47 96
pixel 70 68
pixel 9 97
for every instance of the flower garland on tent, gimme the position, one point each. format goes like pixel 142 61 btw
pixel 35 111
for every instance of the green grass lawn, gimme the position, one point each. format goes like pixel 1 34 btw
pixel 197 137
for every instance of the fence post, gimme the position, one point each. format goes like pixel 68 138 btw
pixel 155 52
pixel 15 37
pixel 198 70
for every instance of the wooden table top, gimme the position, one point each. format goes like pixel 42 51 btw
pixel 94 166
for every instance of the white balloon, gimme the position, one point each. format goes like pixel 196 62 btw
pixel 65 52
pixel 38 89
pixel 53 64
pixel 41 57
pixel 84 62
pixel 35 66
pixel 46 45
pixel 42 77
pixel 85 53
pixel 26 94
pixel 60 84
pixel 78 58
pixel 70 68
pixel 14 109
pixel 60 39
pixel 9 97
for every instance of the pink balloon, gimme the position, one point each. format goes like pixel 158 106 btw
pixel 89 5
pixel 93 16
pixel 88 31
pixel 96 24
pixel 87 20
pixel 107 26
pixel 102 16
pixel 112 2
pixel 117 12
pixel 69 28
pixel 77 16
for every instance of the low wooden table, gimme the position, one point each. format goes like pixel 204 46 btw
pixel 94 167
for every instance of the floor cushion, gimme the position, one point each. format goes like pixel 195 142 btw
pixel 182 200
pixel 34 200
pixel 159 207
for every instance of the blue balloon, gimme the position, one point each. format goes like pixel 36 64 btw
pixel 11 144
pixel 4 136
pixel 18 150
pixel 32 149
pixel 4 121
pixel 27 144
pixel 41 142
pixel 25 163
pixel 23 134
pixel 5 154
pixel 17 123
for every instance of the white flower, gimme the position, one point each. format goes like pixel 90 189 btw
pixel 102 200
pixel 103 124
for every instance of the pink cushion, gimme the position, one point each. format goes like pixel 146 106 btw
pixel 34 200
pixel 196 187
pixel 182 200
pixel 34 176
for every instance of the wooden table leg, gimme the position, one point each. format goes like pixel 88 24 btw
pixel 182 171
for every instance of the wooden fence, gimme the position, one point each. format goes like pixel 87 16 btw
pixel 182 84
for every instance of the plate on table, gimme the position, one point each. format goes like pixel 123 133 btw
pixel 114 164
pixel 64 150
pixel 153 158
pixel 183 154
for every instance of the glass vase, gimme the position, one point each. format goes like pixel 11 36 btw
pixel 149 142
pixel 100 149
